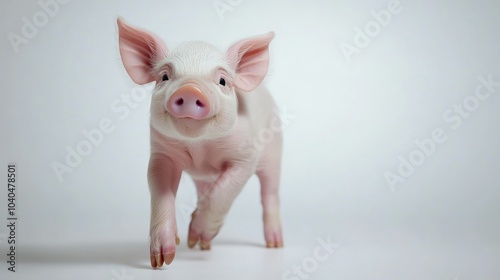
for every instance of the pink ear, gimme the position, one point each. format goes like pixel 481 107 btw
pixel 250 58
pixel 139 50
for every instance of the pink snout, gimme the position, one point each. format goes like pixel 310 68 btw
pixel 189 102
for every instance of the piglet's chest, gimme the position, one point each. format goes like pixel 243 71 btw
pixel 208 160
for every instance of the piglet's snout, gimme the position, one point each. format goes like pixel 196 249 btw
pixel 189 102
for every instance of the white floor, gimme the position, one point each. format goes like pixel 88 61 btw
pixel 386 254
pixel 352 117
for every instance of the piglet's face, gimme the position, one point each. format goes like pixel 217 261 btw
pixel 196 84
pixel 194 95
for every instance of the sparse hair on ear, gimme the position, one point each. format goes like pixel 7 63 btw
pixel 250 59
pixel 139 50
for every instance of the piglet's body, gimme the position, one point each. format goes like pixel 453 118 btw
pixel 211 118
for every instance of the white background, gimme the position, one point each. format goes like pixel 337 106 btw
pixel 351 118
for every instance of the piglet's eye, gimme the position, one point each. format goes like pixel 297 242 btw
pixel 222 82
pixel 164 78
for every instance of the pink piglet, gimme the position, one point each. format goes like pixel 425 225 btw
pixel 207 108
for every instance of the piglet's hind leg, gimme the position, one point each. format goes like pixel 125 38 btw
pixel 269 178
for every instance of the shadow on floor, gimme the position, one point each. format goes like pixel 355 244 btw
pixel 123 253
pixel 133 254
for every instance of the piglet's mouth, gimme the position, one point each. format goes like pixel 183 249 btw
pixel 189 127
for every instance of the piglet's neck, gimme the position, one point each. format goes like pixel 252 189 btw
pixel 157 138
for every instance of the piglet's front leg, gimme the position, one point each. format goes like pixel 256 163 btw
pixel 214 201
pixel 163 178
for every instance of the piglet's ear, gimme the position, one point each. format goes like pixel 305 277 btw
pixel 139 50
pixel 250 59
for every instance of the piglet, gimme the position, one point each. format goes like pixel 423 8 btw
pixel 207 110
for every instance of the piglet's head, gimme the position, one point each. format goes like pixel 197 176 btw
pixel 196 84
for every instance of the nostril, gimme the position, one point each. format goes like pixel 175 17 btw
pixel 179 102
pixel 189 101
